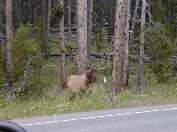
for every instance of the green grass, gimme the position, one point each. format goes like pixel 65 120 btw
pixel 100 98
pixel 50 104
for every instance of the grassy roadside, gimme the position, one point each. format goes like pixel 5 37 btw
pixel 98 99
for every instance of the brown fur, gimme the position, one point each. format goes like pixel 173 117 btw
pixel 78 84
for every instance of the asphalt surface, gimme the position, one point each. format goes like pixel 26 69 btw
pixel 142 119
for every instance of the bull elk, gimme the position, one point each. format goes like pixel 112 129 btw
pixel 79 84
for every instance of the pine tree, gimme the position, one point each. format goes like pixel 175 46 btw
pixel 81 57
pixel 119 46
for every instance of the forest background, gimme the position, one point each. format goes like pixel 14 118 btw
pixel 131 44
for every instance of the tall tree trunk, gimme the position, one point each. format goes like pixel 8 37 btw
pixel 89 31
pixel 69 21
pixel 169 11
pixel 34 17
pixel 141 57
pixel 81 57
pixel 49 13
pixel 127 46
pixel 44 46
pixel 10 46
pixel 1 23
pixel 149 11
pixel 135 14
pixel 174 67
pixel 111 21
pixel 120 41
pixel 1 31
pixel 62 50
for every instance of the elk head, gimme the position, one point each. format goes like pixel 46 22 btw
pixel 90 77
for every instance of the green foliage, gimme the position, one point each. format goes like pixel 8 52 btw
pixel 2 64
pixel 159 11
pixel 41 38
pixel 99 15
pixel 25 47
pixel 172 17
pixel 160 49
pixel 1 67
pixel 100 44
pixel 58 10
pixel 100 32
pixel 35 84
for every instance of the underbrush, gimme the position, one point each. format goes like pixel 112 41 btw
pixel 100 98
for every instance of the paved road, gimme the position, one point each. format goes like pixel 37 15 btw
pixel 144 119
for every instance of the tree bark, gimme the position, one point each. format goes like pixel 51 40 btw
pixel 1 24
pixel 62 50
pixel 149 11
pixel 120 41
pixel 49 13
pixel 127 46
pixel 10 46
pixel 89 31
pixel 69 21
pixel 34 17
pixel 44 46
pixel 109 7
pixel 169 11
pixel 141 56
pixel 81 57
pixel 135 14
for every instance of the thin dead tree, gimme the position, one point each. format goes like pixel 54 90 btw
pixel 127 46
pixel 169 11
pixel 119 50
pixel 134 19
pixel 69 9
pixel 44 45
pixel 62 50
pixel 81 56
pixel 1 23
pixel 142 41
pixel 89 31
pixel 34 7
pixel 149 10
pixel 9 47
pixel 49 14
